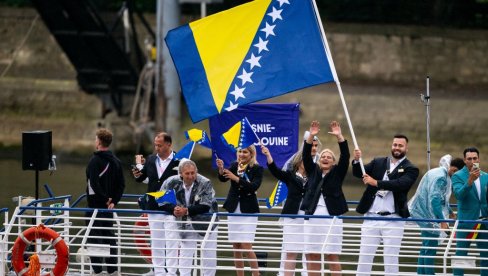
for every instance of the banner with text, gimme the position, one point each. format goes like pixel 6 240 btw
pixel 275 124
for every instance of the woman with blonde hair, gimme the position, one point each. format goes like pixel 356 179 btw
pixel 245 176
pixel 324 197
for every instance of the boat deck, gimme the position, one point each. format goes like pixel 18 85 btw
pixel 132 234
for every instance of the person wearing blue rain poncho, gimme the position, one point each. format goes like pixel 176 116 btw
pixel 431 201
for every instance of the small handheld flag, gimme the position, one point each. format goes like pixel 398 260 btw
pixel 199 136
pixel 279 194
pixel 164 196
pixel 185 151
pixel 240 136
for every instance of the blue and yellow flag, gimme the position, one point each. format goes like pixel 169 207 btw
pixel 279 194
pixel 239 136
pixel 255 51
pixel 199 136
pixel 164 196
pixel 185 151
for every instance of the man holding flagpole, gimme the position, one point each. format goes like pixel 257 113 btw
pixel 157 168
pixel 469 186
pixel 387 181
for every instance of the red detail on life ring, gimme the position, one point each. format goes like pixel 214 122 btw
pixel 40 232
pixel 141 234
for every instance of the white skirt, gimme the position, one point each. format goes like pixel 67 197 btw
pixel 293 238
pixel 316 231
pixel 242 229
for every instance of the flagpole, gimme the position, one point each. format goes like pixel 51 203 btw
pixel 426 100
pixel 338 83
pixel 192 147
pixel 253 130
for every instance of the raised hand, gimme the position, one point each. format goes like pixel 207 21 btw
pixel 266 152
pixel 314 128
pixel 335 128
pixel 220 165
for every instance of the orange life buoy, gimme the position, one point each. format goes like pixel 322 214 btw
pixel 141 232
pixel 40 232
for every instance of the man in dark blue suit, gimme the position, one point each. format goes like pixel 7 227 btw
pixel 157 168
pixel 387 180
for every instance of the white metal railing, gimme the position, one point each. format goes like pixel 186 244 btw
pixel 131 234
pixel 3 244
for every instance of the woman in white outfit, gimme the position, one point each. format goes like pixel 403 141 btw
pixel 324 196
pixel 245 177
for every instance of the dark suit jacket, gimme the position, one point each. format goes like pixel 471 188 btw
pixel 296 189
pixel 244 191
pixel 401 180
pixel 329 186
pixel 150 171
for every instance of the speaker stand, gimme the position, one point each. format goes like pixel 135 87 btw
pixel 37 184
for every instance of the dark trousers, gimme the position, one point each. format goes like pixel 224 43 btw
pixel 103 228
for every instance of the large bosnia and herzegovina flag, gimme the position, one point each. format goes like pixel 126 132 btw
pixel 258 50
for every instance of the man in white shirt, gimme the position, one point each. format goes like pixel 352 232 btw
pixel 157 168
pixel 387 180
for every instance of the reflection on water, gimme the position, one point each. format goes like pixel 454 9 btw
pixel 69 179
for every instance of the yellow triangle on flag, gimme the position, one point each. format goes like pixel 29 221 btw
pixel 223 40
pixel 195 134
pixel 157 194
pixel 233 135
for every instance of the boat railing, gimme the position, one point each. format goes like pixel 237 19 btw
pixel 132 235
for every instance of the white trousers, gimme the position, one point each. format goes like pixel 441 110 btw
pixel 189 242
pixel 372 233
pixel 164 244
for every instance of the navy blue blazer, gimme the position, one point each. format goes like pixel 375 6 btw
pixel 150 171
pixel 329 186
pixel 296 190
pixel 244 191
pixel 401 180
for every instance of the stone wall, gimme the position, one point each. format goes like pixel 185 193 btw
pixel 39 89
pixel 406 55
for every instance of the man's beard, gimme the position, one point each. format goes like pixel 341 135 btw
pixel 398 155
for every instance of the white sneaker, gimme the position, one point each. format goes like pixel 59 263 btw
pixel 115 273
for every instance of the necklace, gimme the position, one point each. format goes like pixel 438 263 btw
pixel 241 168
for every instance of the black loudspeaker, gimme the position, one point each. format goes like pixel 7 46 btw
pixel 36 150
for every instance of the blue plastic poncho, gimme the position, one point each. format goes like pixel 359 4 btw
pixel 431 200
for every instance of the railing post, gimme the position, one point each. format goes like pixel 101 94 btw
pixel 204 240
pixel 119 241
pixel 448 246
pixel 66 220
pixel 85 238
pixel 3 246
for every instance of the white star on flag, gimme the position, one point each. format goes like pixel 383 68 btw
pixel 261 45
pixel 232 106
pixel 275 14
pixel 268 29
pixel 245 76
pixel 254 61
pixel 238 92
pixel 283 2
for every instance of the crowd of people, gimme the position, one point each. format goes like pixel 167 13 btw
pixel 314 180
